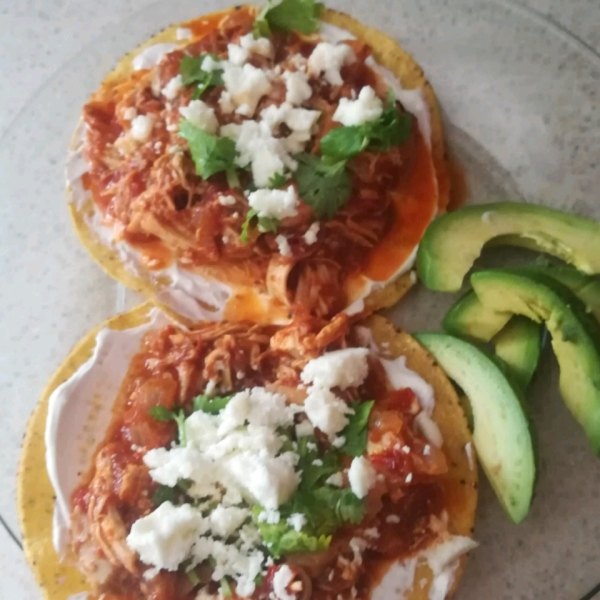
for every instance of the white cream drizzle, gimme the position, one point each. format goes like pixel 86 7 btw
pixel 79 412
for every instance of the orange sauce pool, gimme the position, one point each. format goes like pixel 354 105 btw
pixel 415 207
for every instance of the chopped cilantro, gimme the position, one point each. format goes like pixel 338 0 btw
pixel 211 154
pixel 282 539
pixel 265 224
pixel 288 15
pixel 357 429
pixel 391 129
pixel 193 577
pixel 163 494
pixel 225 588
pixel 343 143
pixel 326 188
pixel 161 413
pixel 325 507
pixel 278 180
pixel 211 406
pixel 191 72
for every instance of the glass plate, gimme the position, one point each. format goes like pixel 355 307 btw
pixel 520 101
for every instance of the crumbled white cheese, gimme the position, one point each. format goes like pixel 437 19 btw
pixel 267 480
pixel 151 56
pixel 486 217
pixel 299 61
pixel 183 33
pixel 329 59
pixel 310 237
pixel 129 113
pixel 271 517
pixel 278 204
pixel 372 533
pixel 392 519
pixel 237 55
pixel 367 107
pixel 339 441
pixel 141 127
pixel 297 521
pixel 362 476
pixel 260 45
pixel 304 429
pixel 298 88
pixel 281 580
pixel 299 120
pixel 164 538
pixel 226 103
pixel 259 150
pixel 246 86
pixel 210 64
pixel 358 546
pixel 224 520
pixel 326 411
pixel 337 480
pixel 201 115
pixel 409 478
pixel 226 200
pixel 172 88
pixel 283 245
pixel 341 368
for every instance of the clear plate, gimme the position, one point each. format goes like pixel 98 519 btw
pixel 521 107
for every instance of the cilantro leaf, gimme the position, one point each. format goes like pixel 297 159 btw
pixel 344 142
pixel 391 129
pixel 315 474
pixel 265 224
pixel 225 588
pixel 163 494
pixel 161 413
pixel 210 154
pixel 191 72
pixel 278 180
pixel 357 429
pixel 289 15
pixel 212 406
pixel 326 188
pixel 282 539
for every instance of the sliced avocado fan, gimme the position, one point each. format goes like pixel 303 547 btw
pixel 575 334
pixel 453 241
pixel 500 429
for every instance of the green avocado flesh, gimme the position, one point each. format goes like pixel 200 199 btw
pixel 468 317
pixel 575 334
pixel 500 429
pixel 453 241
pixel 519 345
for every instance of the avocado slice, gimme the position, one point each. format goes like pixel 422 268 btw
pixel 575 334
pixel 453 241
pixel 519 345
pixel 500 428
pixel 468 317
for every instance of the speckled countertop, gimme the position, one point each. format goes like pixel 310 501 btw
pixel 42 291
